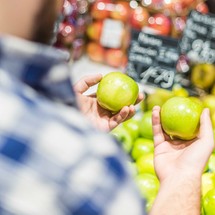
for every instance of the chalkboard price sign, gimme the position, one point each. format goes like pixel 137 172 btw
pixel 152 60
pixel 198 40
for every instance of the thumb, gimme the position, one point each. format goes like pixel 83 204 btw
pixel 86 82
pixel 206 129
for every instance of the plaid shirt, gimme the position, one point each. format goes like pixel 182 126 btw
pixel 52 161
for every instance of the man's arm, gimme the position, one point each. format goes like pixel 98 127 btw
pixel 179 166
pixel 178 195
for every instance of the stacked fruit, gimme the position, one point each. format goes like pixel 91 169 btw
pixel 109 32
pixel 71 32
pixel 202 77
pixel 168 18
pixel 112 22
pixel 136 138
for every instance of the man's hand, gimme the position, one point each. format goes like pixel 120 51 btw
pixel 179 165
pixel 179 155
pixel 101 118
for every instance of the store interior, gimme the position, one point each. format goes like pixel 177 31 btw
pixel 166 46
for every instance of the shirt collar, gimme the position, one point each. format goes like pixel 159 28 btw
pixel 21 48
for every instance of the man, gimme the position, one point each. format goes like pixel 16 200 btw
pixel 52 160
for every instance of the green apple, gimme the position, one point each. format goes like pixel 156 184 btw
pixel 206 167
pixel 146 125
pixel 149 203
pixel 209 202
pixel 158 97
pixel 213 90
pixel 152 100
pixel 196 99
pixel 164 94
pixel 117 90
pixel 209 102
pixel 208 182
pixel 123 137
pixel 213 119
pixel 202 211
pixel 148 185
pixel 142 146
pixel 203 75
pixel 132 125
pixel 143 106
pixel 145 164
pixel 211 163
pixel 180 91
pixel 180 118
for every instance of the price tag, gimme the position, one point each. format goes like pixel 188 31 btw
pixel 152 60
pixel 112 32
pixel 198 40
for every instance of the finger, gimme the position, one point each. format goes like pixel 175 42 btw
pixel 119 117
pixel 131 112
pixel 206 129
pixel 86 82
pixel 156 126
pixel 139 98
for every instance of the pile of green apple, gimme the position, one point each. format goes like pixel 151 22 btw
pixel 136 138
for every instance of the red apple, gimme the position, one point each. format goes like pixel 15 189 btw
pixel 114 57
pixel 66 33
pixel 70 8
pixel 139 18
pixel 94 30
pixel 160 23
pixel 99 9
pixel 179 7
pixel 121 11
pixel 187 2
pixel 154 4
pixel 202 7
pixel 95 52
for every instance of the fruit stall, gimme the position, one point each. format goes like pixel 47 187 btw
pixel 168 48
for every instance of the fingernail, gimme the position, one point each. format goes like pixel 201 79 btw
pixel 155 107
pixel 207 110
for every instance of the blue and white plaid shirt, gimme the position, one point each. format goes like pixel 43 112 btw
pixel 52 161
